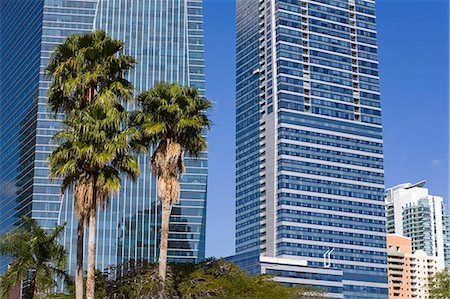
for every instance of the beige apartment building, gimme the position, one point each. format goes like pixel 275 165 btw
pixel 399 266
pixel 408 272
pixel 423 267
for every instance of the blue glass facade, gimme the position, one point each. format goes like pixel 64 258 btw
pixel 166 38
pixel 247 128
pixel 309 138
pixel 19 81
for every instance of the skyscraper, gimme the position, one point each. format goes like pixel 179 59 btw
pixel 166 38
pixel 412 212
pixel 309 159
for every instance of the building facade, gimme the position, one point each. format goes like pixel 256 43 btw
pixel 309 159
pixel 423 266
pixel 399 271
pixel 166 39
pixel 412 212
pixel 409 272
pixel 447 241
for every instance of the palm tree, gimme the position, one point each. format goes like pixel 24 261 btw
pixel 94 150
pixel 87 69
pixel 38 257
pixel 172 119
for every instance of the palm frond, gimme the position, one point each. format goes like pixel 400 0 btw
pixel 84 67
pixel 175 112
pixel 36 253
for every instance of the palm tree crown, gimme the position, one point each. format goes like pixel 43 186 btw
pixel 173 112
pixel 87 68
pixel 37 255
pixel 93 151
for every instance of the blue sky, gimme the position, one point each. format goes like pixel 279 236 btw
pixel 414 48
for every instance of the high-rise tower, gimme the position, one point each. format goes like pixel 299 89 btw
pixel 414 213
pixel 310 183
pixel 166 38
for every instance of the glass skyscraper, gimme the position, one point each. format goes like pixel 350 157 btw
pixel 166 38
pixel 309 159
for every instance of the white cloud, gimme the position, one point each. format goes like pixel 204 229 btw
pixel 436 162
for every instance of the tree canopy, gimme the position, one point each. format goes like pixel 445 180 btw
pixel 88 68
pixel 212 278
pixel 439 285
pixel 38 258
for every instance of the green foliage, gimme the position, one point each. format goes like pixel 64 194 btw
pixel 172 112
pixel 88 68
pixel 439 285
pixel 100 292
pixel 101 285
pixel 212 278
pixel 92 143
pixel 38 258
pixel 219 279
pixel 135 280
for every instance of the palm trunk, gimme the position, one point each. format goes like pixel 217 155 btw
pixel 31 290
pixel 162 267
pixel 80 256
pixel 90 284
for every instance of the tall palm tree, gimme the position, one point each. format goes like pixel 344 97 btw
pixel 171 118
pixel 38 257
pixel 94 150
pixel 87 69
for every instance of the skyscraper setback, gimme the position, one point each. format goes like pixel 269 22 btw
pixel 166 38
pixel 309 159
